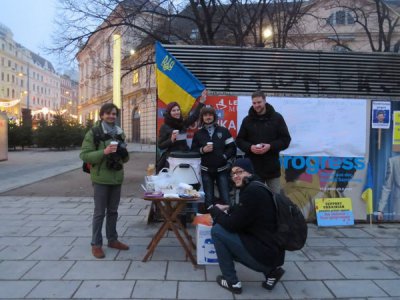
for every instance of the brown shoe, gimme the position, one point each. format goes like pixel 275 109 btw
pixel 118 245
pixel 97 252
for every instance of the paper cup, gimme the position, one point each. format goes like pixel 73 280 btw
pixel 175 131
pixel 210 143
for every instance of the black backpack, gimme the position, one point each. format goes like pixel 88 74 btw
pixel 291 233
pixel 98 136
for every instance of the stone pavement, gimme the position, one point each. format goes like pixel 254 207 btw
pixel 45 251
pixel 45 254
pixel 32 165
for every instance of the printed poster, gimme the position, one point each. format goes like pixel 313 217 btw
pixel 334 212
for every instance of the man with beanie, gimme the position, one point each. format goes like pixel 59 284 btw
pixel 243 233
pixel 217 148
pixel 262 135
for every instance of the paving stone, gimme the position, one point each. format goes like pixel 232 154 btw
pixel 147 270
pixel 17 252
pixel 393 265
pixel 354 233
pixel 4 223
pixel 169 253
pixel 77 231
pixel 390 242
pixel 318 270
pixel 156 289
pixel 36 211
pixel 35 217
pixel 202 290
pixel 16 241
pixel 16 289
pixel 356 242
pixel 212 271
pixel 364 270
pixel 354 288
pixel 134 253
pixel 49 252
pixel 43 231
pixel 393 252
pixel 383 232
pixel 325 242
pixel 15 230
pixel 84 252
pixel 54 289
pixel 369 253
pixel 10 269
pixel 98 270
pixel 307 289
pixel 390 286
pixel 333 253
pixel 296 255
pixel 105 289
pixel 12 217
pixel 74 217
pixel 42 223
pixel 52 240
pixel 49 270
pixel 184 271
pixel 253 290
pixel 323 232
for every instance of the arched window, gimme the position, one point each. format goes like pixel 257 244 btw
pixel 341 17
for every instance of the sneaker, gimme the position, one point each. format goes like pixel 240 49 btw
pixel 272 278
pixel 234 288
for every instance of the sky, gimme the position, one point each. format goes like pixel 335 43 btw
pixel 31 22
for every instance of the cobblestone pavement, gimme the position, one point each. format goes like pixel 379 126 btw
pixel 45 248
pixel 45 254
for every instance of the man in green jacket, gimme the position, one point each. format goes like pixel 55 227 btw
pixel 105 150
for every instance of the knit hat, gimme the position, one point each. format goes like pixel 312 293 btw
pixel 207 109
pixel 245 164
pixel 170 106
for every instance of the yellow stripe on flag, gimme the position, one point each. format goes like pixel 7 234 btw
pixel 169 91
pixel 367 196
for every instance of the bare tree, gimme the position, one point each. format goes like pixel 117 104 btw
pixel 378 20
pixel 279 17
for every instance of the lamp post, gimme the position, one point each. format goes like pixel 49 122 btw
pixel 267 34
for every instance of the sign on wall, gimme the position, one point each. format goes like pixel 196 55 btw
pixel 380 114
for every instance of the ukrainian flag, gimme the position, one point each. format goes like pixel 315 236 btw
pixel 175 82
pixel 367 194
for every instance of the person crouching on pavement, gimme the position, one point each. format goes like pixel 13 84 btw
pixel 107 174
pixel 217 148
pixel 242 233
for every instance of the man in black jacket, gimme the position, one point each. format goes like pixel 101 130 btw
pixel 262 135
pixel 216 147
pixel 243 233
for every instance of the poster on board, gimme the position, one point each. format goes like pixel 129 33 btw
pixel 380 114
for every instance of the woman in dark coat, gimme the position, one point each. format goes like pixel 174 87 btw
pixel 172 135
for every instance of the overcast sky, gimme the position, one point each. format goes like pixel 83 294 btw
pixel 31 22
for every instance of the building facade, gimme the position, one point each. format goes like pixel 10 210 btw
pixel 27 80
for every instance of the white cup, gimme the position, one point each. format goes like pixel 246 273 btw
pixel 175 131
pixel 210 143
pixel 258 146
pixel 114 143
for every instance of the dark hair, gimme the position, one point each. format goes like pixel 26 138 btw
pixel 258 94
pixel 107 108
pixel 380 112
pixel 207 109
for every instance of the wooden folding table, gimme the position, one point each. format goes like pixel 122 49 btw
pixel 170 209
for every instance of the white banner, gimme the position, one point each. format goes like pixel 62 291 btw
pixel 320 126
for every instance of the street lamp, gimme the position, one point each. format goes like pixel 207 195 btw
pixel 267 33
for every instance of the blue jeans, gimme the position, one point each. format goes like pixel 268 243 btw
pixel 222 179
pixel 230 248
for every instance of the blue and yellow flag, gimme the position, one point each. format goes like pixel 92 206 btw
pixel 367 194
pixel 175 82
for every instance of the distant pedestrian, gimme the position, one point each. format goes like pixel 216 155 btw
pixel 262 135
pixel 107 174
pixel 243 232
pixel 217 149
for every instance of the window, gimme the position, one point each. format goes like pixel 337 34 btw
pixel 135 77
pixel 340 17
pixel 339 48
pixel 194 35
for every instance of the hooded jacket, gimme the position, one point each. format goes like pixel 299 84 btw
pixel 269 128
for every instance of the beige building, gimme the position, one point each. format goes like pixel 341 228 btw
pixel 331 25
pixel 26 78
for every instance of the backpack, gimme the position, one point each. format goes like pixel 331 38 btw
pixel 98 136
pixel 291 232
